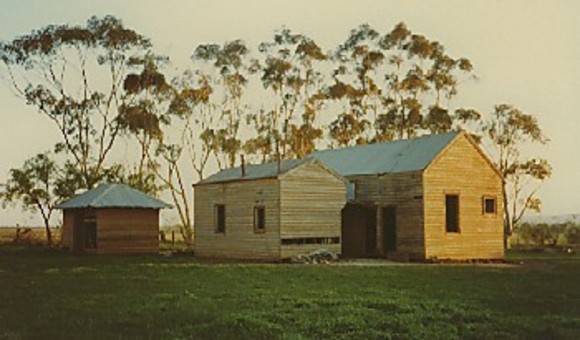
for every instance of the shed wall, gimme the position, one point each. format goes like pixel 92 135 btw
pixel 403 191
pixel 68 220
pixel 127 230
pixel 239 240
pixel 310 207
pixel 461 169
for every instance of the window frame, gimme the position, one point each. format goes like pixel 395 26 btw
pixel 216 218
pixel 352 185
pixel 484 205
pixel 458 213
pixel 258 230
pixel 304 241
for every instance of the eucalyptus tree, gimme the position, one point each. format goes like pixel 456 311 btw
pixel 421 79
pixel 73 75
pixel 290 70
pixel 263 144
pixel 35 187
pixel 143 114
pixel 399 83
pixel 192 106
pixel 192 127
pixel 508 130
pixel 307 90
pixel 230 62
pixel 354 85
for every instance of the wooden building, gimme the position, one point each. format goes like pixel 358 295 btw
pixel 112 218
pixel 269 211
pixel 433 197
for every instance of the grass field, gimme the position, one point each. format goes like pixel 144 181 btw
pixel 49 294
pixel 36 235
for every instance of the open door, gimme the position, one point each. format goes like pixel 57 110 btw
pixel 390 229
pixel 90 230
pixel 359 231
pixel 84 232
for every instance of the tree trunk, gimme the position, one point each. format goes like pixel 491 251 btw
pixel 48 232
pixel 507 231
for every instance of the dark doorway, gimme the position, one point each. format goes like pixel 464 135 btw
pixel 84 232
pixel 359 231
pixel 90 231
pixel 390 229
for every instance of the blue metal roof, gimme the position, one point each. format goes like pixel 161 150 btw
pixel 253 171
pixel 392 157
pixel 371 159
pixel 113 196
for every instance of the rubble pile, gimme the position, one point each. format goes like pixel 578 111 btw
pixel 321 256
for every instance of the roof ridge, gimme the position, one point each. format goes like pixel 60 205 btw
pixel 396 141
pixel 110 186
pixel 260 164
pixel 398 160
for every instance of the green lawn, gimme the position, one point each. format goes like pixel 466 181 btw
pixel 48 294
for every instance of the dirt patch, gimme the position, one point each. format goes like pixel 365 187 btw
pixel 387 263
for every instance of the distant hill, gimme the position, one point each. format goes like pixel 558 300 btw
pixel 552 219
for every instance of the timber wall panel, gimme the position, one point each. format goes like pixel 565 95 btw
pixel 403 191
pixel 68 221
pixel 239 239
pixel 312 199
pixel 462 170
pixel 127 230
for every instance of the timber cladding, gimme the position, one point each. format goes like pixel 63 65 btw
pixel 462 170
pixel 302 213
pixel 127 230
pixel 310 207
pixel 120 231
pixel 404 192
pixel 67 228
pixel 434 197
pixel 239 239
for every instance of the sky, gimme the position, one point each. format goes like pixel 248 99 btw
pixel 525 53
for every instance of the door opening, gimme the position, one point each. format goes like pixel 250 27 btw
pixel 84 232
pixel 390 229
pixel 359 231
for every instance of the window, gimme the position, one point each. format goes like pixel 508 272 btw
pixel 310 240
pixel 489 205
pixel 351 191
pixel 452 213
pixel 220 218
pixel 259 219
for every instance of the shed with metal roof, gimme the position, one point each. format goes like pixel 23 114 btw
pixel 269 211
pixel 436 196
pixel 112 218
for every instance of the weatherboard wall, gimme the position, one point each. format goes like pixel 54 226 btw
pixel 403 191
pixel 461 169
pixel 119 231
pixel 127 231
pixel 68 219
pixel 311 200
pixel 303 203
pixel 239 240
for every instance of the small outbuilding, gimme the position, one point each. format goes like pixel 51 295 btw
pixel 269 211
pixel 112 218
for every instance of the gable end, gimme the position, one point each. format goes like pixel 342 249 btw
pixel 475 146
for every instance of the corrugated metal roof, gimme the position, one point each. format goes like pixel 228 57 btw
pixel 392 157
pixel 253 171
pixel 113 196
pixel 371 159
